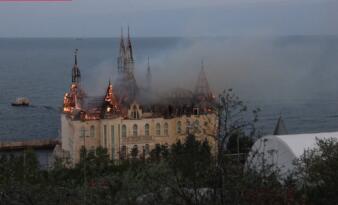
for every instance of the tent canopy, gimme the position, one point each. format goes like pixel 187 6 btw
pixel 281 151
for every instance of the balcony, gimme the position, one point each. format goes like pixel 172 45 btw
pixel 137 140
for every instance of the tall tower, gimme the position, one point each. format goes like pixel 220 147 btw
pixel 202 89
pixel 74 99
pixel 76 74
pixel 129 58
pixel 121 56
pixel 125 85
pixel 148 77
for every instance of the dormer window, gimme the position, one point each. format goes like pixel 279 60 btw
pixel 134 113
pixel 196 111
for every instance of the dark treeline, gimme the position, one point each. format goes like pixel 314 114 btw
pixel 189 172
pixel 185 173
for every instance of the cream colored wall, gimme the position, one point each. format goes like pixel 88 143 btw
pixel 117 123
pixel 141 140
pixel 89 142
pixel 67 133
pixel 72 130
pixel 78 141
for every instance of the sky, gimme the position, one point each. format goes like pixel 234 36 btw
pixel 163 18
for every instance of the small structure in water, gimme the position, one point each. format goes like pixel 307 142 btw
pixel 21 101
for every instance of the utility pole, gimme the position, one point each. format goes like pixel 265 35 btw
pixel 238 148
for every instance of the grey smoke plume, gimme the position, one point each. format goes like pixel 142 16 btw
pixel 263 68
pixel 259 68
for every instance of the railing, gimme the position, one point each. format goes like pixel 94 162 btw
pixel 137 139
pixel 33 144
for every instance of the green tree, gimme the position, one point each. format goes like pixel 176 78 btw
pixel 317 173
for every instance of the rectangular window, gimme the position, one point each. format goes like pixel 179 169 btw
pixel 105 135
pixel 112 140
pixel 112 131
pixel 119 131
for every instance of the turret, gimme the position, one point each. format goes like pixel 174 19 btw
pixel 73 99
pixel 129 58
pixel 130 48
pixel 202 89
pixel 121 57
pixel 111 102
pixel 76 75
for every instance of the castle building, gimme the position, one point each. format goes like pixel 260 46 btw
pixel 130 116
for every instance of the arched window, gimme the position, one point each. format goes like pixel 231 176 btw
pixel 92 131
pixel 134 112
pixel 179 127
pixel 146 149
pixel 82 132
pixel 146 130
pixel 166 129
pixel 124 131
pixel 135 130
pixel 158 129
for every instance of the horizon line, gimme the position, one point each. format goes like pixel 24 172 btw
pixel 160 36
pixel 35 0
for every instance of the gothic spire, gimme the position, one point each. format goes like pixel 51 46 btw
pixel 75 56
pixel 76 75
pixel 122 46
pixel 130 47
pixel 149 76
pixel 202 89
pixel 122 52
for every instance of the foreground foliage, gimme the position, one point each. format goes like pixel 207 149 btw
pixel 185 173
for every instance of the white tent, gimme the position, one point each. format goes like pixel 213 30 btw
pixel 280 151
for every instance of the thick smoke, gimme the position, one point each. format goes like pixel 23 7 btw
pixel 257 68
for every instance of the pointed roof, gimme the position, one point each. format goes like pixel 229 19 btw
pixel 122 46
pixel 75 56
pixel 148 76
pixel 76 74
pixel 202 86
pixel 130 47
pixel 280 128
pixel 110 95
pixel 112 105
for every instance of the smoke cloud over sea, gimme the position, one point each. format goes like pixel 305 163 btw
pixel 294 75
pixel 266 68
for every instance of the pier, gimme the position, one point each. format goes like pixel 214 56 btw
pixel 29 144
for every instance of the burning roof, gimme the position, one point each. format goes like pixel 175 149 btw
pixel 125 92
